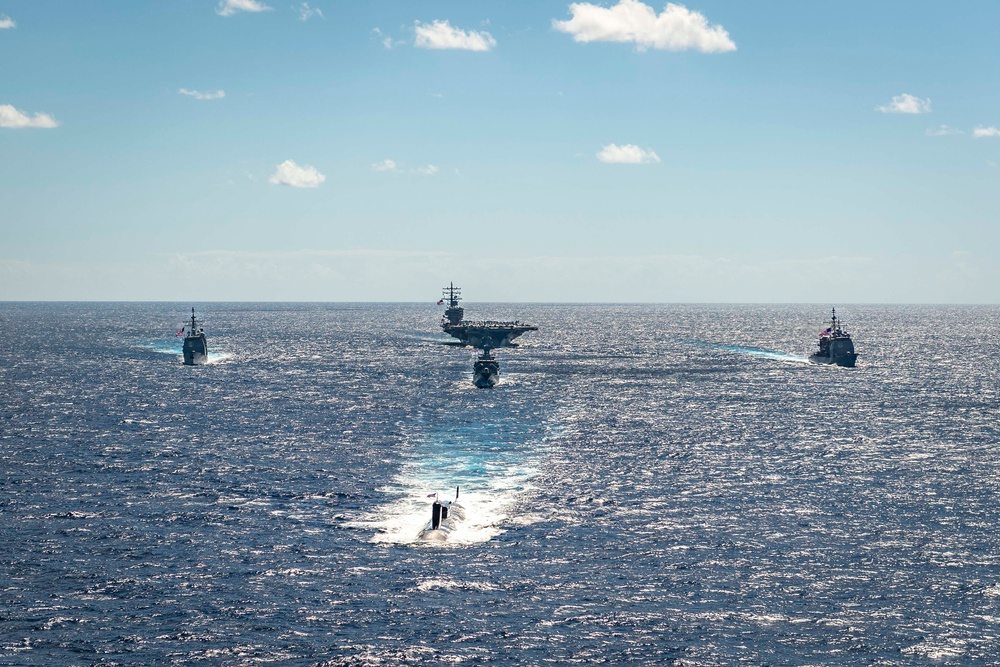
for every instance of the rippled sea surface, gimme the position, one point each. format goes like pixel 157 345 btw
pixel 665 484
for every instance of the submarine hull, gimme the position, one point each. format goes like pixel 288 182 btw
pixel 446 517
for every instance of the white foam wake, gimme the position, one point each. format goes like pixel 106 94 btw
pixel 491 471
pixel 488 503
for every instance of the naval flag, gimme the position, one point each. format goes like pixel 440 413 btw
pixel 440 302
pixel 179 331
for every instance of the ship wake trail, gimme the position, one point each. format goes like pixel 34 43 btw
pixel 175 348
pixel 492 466
pixel 760 352
pixel 172 347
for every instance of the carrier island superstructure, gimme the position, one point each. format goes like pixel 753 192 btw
pixel 484 335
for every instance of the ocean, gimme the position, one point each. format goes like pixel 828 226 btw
pixel 648 484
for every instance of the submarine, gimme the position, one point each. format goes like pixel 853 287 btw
pixel 446 515
pixel 195 344
pixel 835 346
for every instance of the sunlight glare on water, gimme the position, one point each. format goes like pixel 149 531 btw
pixel 647 485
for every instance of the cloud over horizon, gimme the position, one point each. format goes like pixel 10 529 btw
pixel 203 95
pixel 627 154
pixel 230 7
pixel 384 165
pixel 442 35
pixel 906 103
pixel 11 117
pixel 6 22
pixel 676 28
pixel 378 274
pixel 982 132
pixel 289 173
pixel 943 131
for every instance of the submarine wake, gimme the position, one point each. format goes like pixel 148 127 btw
pixel 491 472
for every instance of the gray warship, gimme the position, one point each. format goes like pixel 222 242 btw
pixel 482 334
pixel 835 346
pixel 485 335
pixel 486 370
pixel 195 344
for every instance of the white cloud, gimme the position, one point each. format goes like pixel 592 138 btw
pixel 627 154
pixel 203 95
pixel 387 42
pixel 441 35
pixel 289 173
pixel 981 132
pixel 943 131
pixel 306 12
pixel 390 165
pixel 7 22
pixel 677 28
pixel 11 117
pixel 230 7
pixel 906 103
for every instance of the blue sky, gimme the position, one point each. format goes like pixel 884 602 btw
pixel 526 150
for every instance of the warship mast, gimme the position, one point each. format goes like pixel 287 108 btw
pixel 454 313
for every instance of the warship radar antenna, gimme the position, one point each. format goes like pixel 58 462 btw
pixel 452 294
pixel 454 314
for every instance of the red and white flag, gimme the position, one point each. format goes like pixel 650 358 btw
pixel 179 331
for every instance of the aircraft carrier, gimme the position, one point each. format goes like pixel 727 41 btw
pixel 484 334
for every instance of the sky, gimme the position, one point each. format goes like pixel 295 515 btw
pixel 526 150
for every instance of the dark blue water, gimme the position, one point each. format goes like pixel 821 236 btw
pixel 647 485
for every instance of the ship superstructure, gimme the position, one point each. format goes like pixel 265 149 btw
pixel 484 335
pixel 835 345
pixel 486 370
pixel 479 334
pixel 195 344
